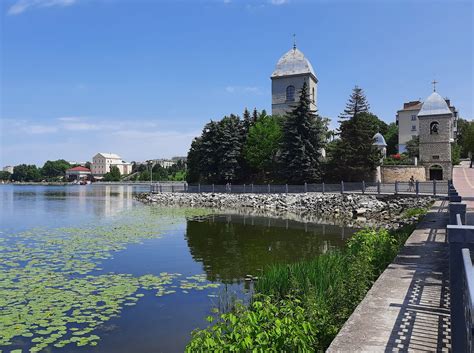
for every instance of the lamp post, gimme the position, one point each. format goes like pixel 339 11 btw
pixel 150 163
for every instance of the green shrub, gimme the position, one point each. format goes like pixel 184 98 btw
pixel 300 307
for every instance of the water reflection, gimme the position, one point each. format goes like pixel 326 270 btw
pixel 233 246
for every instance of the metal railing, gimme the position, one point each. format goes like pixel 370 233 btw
pixel 461 243
pixel 468 298
pixel 429 188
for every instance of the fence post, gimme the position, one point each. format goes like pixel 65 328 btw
pixel 161 188
pixel 305 187
pixel 363 186
pixel 434 187
pixel 268 188
pixel 185 187
pixel 212 188
pixel 252 188
pixel 172 187
pixel 323 187
pixel 199 188
pixel 378 187
pixel 230 187
pixel 342 187
pixel 244 188
pixel 286 188
pixel 417 187
pixel 396 188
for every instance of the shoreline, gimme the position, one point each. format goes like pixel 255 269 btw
pixel 345 209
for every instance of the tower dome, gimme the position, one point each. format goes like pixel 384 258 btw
pixel 293 62
pixel 379 140
pixel 434 105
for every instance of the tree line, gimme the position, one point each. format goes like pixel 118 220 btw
pixel 290 149
pixel 50 171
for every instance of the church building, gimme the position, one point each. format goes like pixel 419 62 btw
pixel 291 71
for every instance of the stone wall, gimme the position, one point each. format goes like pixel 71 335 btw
pixel 393 173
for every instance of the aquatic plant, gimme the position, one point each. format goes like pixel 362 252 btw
pixel 318 296
pixel 52 290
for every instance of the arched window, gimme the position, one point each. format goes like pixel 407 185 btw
pixel 290 93
pixel 314 97
pixel 434 128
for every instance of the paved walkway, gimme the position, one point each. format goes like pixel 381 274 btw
pixel 463 179
pixel 407 308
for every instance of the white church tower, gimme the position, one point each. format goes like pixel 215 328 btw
pixel 291 71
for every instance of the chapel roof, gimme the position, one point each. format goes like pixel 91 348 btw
pixel 434 105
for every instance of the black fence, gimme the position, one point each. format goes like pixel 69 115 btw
pixel 433 188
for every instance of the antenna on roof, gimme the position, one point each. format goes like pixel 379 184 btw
pixel 434 85
pixel 294 41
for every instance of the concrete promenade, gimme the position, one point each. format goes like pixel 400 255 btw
pixel 407 308
pixel 463 180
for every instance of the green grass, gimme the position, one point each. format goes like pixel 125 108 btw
pixel 414 212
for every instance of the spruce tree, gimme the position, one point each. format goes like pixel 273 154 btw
pixel 354 157
pixel 254 115
pixel 246 120
pixel 302 141
pixel 357 104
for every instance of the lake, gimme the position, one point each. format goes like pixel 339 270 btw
pixel 89 269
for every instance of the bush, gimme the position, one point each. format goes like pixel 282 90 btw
pixel 301 307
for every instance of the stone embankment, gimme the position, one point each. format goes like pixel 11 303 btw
pixel 387 210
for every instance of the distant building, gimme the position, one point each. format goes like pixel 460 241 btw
pixel 408 124
pixel 8 168
pixel 291 71
pixel 78 173
pixel 102 162
pixel 77 163
pixel 164 163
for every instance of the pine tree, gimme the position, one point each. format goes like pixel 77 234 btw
pixel 254 115
pixel 357 104
pixel 303 139
pixel 354 157
pixel 247 120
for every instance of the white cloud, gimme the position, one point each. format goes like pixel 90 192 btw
pixel 278 2
pixel 69 118
pixel 39 129
pixel 79 126
pixel 23 5
pixel 243 89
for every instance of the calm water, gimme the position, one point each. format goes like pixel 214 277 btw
pixel 222 247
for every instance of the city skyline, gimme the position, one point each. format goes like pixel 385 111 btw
pixel 80 77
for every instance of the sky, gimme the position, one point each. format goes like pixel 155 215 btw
pixel 140 78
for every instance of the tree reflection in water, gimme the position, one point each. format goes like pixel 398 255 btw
pixel 233 246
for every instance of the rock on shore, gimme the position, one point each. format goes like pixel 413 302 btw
pixel 386 210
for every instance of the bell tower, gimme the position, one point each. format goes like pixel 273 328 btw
pixel 435 122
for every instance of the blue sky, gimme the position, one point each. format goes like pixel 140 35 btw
pixel 141 78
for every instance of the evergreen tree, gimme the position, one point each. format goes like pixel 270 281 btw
pixel 353 157
pixel 255 115
pixel 247 120
pixel 357 104
pixel 302 141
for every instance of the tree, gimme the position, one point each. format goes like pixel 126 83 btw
pixel 413 147
pixel 357 104
pixel 24 172
pixel 159 173
pixel 462 130
pixel 391 138
pixel 5 176
pixel 88 165
pixel 53 169
pixel 353 157
pixel 216 156
pixel 303 138
pixel 113 175
pixel 262 145
pixel 468 141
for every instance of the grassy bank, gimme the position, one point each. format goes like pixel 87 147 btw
pixel 302 306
